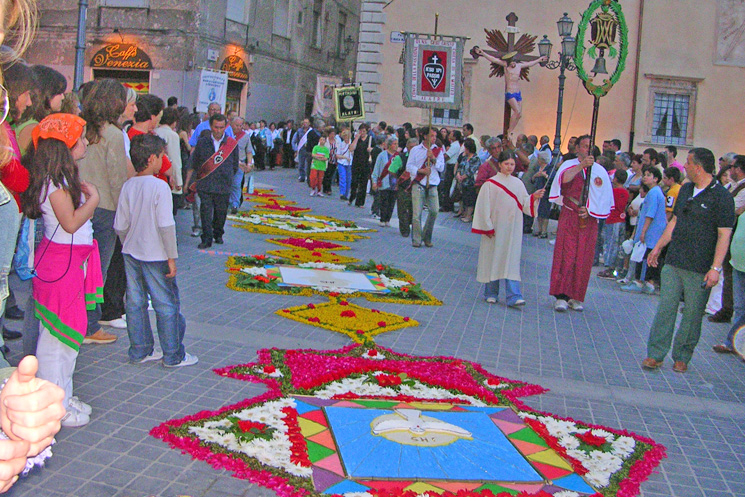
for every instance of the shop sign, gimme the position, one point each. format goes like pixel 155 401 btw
pixel 121 56
pixel 236 67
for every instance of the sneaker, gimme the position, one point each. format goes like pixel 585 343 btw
pixel 196 233
pixel 491 300
pixel 320 194
pixel 80 406
pixel 576 305
pixel 74 418
pixel 632 287
pixel 649 288
pixel 623 281
pixel 561 305
pixel 608 274
pixel 312 193
pixel 115 323
pixel 381 223
pixel 518 303
pixel 189 360
pixel 101 338
pixel 155 355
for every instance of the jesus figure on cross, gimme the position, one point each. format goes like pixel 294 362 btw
pixel 512 69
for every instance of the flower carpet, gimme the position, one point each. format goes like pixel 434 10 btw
pixel 365 421
pixel 304 255
pixel 309 226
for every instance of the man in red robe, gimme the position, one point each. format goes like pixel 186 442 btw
pixel 578 225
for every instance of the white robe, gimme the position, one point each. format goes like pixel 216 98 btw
pixel 600 200
pixel 499 207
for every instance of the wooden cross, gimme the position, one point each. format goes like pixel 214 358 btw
pixel 509 49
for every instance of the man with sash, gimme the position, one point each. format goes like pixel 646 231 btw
pixel 215 163
pixel 425 165
pixel 245 162
pixel 578 225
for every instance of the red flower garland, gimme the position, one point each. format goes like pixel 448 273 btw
pixel 593 440
pixel 298 449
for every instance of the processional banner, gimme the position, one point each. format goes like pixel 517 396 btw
pixel 433 71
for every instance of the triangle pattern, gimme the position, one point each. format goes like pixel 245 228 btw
pixel 528 435
pixel 508 415
pixel 323 479
pixel 309 428
pixel 331 463
pixel 344 487
pixel 524 487
pixel 387 485
pixel 301 407
pixel 552 458
pixel 496 489
pixel 574 482
pixel 318 452
pixel 420 487
pixel 458 409
pixel 507 427
pixel 455 486
pixel 550 472
pixel 527 448
pixel 316 416
pixel 324 438
pixel 346 403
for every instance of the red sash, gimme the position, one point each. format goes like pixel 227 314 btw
pixel 213 163
pixel 420 176
pixel 385 171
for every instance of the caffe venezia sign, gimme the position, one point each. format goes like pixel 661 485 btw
pixel 235 66
pixel 121 56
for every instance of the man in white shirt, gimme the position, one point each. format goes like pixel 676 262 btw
pixel 425 164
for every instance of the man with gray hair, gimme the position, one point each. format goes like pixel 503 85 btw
pixel 212 109
pixel 245 162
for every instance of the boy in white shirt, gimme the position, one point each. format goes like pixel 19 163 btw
pixel 145 225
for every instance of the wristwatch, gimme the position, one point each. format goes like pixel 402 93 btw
pixel 717 269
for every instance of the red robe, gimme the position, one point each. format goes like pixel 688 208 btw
pixel 166 161
pixel 575 246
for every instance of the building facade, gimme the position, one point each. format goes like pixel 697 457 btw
pixel 681 83
pixel 272 50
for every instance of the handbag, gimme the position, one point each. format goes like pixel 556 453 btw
pixel 637 255
pixel 457 193
pixel 554 213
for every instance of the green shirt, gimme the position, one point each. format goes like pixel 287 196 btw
pixel 320 165
pixel 395 165
pixel 737 246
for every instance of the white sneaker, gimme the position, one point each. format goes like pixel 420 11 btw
pixel 73 418
pixel 518 303
pixel 561 305
pixel 491 300
pixel 155 355
pixel 196 233
pixel 320 194
pixel 576 305
pixel 115 323
pixel 312 194
pixel 80 406
pixel 189 360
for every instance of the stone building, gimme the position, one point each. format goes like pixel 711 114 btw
pixel 679 86
pixel 272 50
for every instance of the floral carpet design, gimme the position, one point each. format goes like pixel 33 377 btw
pixel 305 255
pixel 309 226
pixel 365 421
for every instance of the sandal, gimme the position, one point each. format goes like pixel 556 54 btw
pixel 466 219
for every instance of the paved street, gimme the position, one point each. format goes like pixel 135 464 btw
pixel 589 360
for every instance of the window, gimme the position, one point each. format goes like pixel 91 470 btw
pixel 341 33
pixel 133 4
pixel 672 109
pixel 316 34
pixel 447 117
pixel 238 10
pixel 281 18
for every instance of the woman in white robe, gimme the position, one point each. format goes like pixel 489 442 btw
pixel 498 219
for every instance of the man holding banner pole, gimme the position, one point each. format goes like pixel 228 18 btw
pixel 425 166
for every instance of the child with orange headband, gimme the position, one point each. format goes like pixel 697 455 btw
pixel 68 276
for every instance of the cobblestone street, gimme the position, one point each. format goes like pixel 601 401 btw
pixel 590 361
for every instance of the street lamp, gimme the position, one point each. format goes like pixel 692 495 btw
pixel 565 62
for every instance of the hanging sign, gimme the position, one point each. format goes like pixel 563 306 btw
pixel 213 88
pixel 236 67
pixel 121 56
pixel 433 71
pixel 349 103
pixel 323 102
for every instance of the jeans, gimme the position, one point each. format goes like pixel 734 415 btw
pixel 677 283
pixel 611 243
pixel 302 157
pixel 103 233
pixel 738 297
pixel 345 179
pixel 419 196
pixel 214 211
pixel 237 189
pixel 10 220
pixel 145 278
pixel 599 242
pixel 512 287
pixel 115 287
pixel 195 206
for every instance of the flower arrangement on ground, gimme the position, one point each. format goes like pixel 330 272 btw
pixel 340 422
pixel 292 224
pixel 308 244
pixel 303 255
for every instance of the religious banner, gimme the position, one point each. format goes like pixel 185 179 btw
pixel 349 103
pixel 213 87
pixel 433 71
pixel 323 102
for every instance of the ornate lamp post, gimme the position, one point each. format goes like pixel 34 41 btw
pixel 565 62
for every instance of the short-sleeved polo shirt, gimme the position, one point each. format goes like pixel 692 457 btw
pixel 694 238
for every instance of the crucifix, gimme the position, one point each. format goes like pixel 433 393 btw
pixel 513 61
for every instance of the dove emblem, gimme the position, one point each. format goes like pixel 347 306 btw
pixel 410 427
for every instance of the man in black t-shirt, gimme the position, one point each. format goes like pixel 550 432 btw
pixel 698 235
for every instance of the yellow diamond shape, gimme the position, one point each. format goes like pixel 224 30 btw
pixel 309 428
pixel 551 458
pixel 431 406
